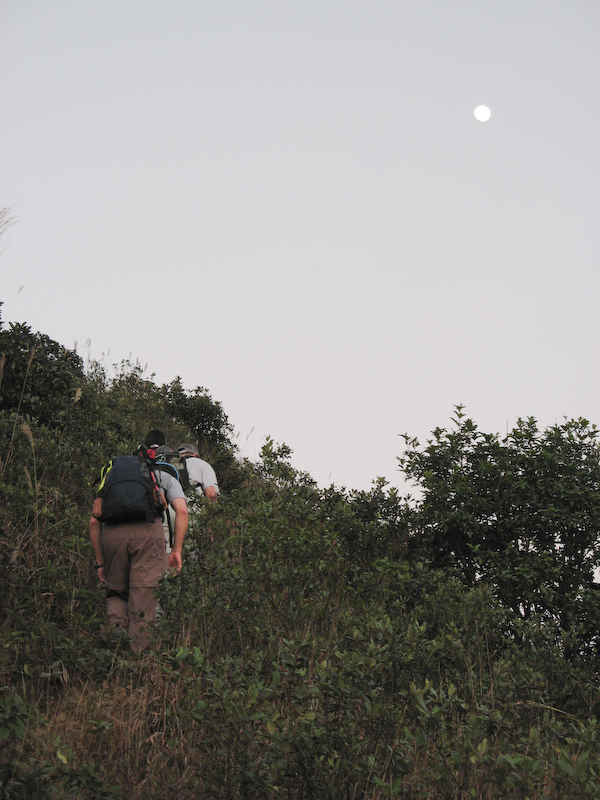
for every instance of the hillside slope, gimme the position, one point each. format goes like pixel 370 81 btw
pixel 317 643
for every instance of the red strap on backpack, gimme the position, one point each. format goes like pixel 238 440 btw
pixel 158 494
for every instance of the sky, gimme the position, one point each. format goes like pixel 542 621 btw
pixel 292 205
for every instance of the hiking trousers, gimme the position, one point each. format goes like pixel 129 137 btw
pixel 135 559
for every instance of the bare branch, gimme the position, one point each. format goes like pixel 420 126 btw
pixel 6 220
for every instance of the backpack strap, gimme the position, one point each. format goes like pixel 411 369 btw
pixel 103 474
pixel 170 526
pixel 158 493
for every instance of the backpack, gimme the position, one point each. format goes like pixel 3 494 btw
pixel 174 463
pixel 129 492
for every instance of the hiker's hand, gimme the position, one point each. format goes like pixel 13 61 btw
pixel 175 560
pixel 211 494
pixel 101 577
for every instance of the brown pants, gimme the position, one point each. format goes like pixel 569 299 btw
pixel 135 560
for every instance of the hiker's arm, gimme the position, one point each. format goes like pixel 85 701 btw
pixel 95 530
pixel 181 523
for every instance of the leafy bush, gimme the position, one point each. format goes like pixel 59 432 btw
pixel 522 514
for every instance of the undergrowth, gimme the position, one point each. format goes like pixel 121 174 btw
pixel 308 649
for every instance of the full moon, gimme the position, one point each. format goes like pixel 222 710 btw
pixel 482 113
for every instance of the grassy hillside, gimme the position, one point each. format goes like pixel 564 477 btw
pixel 317 643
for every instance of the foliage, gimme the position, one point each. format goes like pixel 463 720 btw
pixel 521 514
pixel 206 419
pixel 38 377
pixel 318 643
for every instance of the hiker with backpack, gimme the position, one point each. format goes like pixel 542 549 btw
pixel 200 473
pixel 185 464
pixel 191 470
pixel 126 532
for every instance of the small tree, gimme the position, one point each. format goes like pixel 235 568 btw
pixel 204 416
pixel 209 426
pixel 522 513
pixel 38 376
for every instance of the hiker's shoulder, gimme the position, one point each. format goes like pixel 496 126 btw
pixel 201 471
pixel 196 464
pixel 164 477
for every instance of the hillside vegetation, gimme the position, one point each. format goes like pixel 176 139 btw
pixel 318 643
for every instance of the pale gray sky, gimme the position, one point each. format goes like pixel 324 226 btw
pixel 292 204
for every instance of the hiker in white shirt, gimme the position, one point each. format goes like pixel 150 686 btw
pixel 202 476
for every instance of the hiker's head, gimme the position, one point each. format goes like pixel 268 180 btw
pixel 188 449
pixel 155 439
